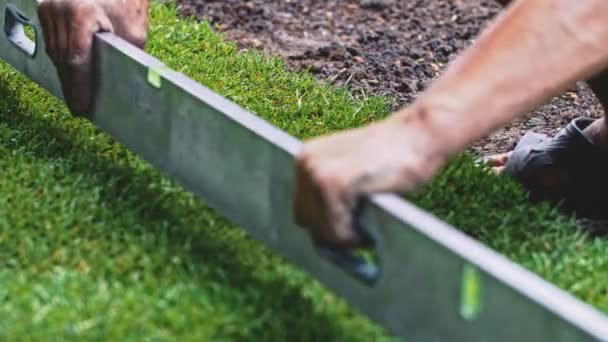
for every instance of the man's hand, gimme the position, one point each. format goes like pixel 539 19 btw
pixel 68 27
pixel 497 79
pixel 396 154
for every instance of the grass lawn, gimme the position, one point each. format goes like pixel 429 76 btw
pixel 94 243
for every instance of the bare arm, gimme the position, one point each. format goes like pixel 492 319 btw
pixel 532 52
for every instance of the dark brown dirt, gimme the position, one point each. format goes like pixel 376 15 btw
pixel 384 47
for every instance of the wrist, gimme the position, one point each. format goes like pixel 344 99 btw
pixel 436 129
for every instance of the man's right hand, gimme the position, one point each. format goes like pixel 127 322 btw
pixel 68 28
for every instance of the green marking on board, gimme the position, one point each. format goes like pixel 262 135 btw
pixel 471 296
pixel 154 75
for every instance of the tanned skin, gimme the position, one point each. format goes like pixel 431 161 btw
pixel 68 27
pixel 532 52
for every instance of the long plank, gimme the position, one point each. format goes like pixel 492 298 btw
pixel 243 167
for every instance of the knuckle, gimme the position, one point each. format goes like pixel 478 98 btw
pixel 80 7
pixel 303 160
pixel 335 178
pixel 138 36
pixel 72 10
pixel 307 163
pixel 323 179
pixel 81 13
pixel 43 8
pixel 319 180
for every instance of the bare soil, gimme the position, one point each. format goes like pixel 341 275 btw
pixel 383 47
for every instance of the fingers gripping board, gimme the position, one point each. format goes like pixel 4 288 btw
pixel 431 282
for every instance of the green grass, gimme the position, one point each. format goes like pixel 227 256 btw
pixel 95 244
pixel 29 32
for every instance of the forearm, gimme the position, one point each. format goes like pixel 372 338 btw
pixel 532 52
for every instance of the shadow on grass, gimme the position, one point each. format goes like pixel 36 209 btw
pixel 293 314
